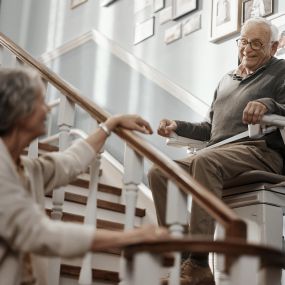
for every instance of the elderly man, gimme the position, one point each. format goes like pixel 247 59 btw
pixel 242 97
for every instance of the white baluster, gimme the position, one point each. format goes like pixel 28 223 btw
pixel 85 277
pixel 133 174
pixel 147 269
pixel 133 165
pixel 65 123
pixel 244 271
pixel 176 217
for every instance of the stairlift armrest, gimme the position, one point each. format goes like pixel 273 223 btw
pixel 268 124
pixel 273 120
pixel 178 141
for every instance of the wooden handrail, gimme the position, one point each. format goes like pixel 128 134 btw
pixel 232 248
pixel 209 202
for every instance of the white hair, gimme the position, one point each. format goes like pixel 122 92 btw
pixel 273 29
pixel 18 91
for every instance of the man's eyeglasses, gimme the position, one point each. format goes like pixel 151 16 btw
pixel 255 45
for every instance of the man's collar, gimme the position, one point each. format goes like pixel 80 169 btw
pixel 241 73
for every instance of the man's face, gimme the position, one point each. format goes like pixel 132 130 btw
pixel 250 58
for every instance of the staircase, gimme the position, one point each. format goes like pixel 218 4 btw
pixel 142 262
pixel 111 216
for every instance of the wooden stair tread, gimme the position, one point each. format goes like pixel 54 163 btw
pixel 102 204
pixel 101 224
pixel 72 271
pixel 84 183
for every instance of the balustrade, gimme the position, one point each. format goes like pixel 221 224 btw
pixel 144 268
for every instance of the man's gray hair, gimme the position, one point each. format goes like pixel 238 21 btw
pixel 272 28
pixel 18 90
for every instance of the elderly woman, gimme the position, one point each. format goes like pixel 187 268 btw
pixel 26 233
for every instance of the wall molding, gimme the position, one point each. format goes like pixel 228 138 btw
pixel 134 62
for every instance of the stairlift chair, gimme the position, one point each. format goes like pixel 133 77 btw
pixel 257 196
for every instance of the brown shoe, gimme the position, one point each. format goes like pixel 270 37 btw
pixel 192 274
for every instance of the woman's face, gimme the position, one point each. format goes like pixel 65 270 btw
pixel 34 123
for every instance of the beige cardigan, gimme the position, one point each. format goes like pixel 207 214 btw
pixel 24 226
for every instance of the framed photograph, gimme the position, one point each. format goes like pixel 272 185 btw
pixel 191 25
pixel 158 5
pixel 279 21
pixel 256 8
pixel 144 30
pixel 105 3
pixel 76 3
pixel 183 7
pixel 140 5
pixel 172 34
pixel 165 15
pixel 225 19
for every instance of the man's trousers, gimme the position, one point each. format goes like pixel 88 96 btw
pixel 212 168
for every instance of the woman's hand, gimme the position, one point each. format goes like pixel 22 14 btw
pixel 130 122
pixel 109 239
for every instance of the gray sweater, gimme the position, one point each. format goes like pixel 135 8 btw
pixel 266 85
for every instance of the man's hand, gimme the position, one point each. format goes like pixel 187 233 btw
pixel 166 127
pixel 253 112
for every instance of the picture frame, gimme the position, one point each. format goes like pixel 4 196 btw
pixel 158 5
pixel 256 8
pixel 173 33
pixel 182 7
pixel 191 25
pixel 105 3
pixel 76 3
pixel 165 15
pixel 144 30
pixel 225 19
pixel 279 21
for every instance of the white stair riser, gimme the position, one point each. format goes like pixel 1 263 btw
pixel 69 281
pixel 104 261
